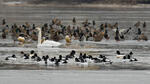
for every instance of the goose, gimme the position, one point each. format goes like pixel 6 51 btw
pixel 46 43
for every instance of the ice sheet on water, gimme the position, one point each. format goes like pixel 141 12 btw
pixel 12 3
pixel 126 42
pixel 8 49
pixel 73 77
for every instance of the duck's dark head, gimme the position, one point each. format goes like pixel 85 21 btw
pixel 84 55
pixel 35 55
pixel 47 56
pixel 22 52
pixel 131 53
pixel 118 52
pixel 14 56
pixel 60 57
pixel 73 52
pixel 25 54
pixel 90 56
pixel 43 57
pixel 100 56
pixel 80 54
pixel 32 52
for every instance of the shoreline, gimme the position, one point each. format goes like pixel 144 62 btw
pixel 76 5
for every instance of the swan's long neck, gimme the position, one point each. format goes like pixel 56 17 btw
pixel 39 37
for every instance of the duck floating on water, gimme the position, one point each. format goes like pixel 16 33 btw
pixel 13 57
pixel 126 56
pixel 71 59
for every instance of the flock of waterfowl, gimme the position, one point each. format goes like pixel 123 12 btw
pixel 85 31
pixel 51 34
pixel 71 58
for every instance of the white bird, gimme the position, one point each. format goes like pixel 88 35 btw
pixel 46 43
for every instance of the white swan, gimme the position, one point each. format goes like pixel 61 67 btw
pixel 46 43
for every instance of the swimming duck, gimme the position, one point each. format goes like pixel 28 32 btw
pixel 13 57
pixel 120 55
